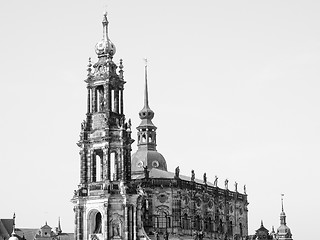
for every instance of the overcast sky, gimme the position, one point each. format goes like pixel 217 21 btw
pixel 234 86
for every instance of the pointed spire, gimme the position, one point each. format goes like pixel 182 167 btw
pixel 146 100
pixel 14 224
pixel 261 223
pixel 59 226
pixel 146 112
pixel 282 214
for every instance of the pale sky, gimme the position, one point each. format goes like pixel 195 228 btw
pixel 234 86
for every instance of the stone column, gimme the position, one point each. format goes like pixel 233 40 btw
pixel 88 103
pixel 104 173
pixel 79 215
pixel 82 167
pixel 116 100
pixel 94 100
pixel 134 221
pixel 107 97
pixel 121 101
pixel 125 228
pixel 89 165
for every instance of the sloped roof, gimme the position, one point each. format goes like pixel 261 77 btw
pixel 28 233
pixel 7 226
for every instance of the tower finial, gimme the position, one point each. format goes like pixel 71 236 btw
pixel 282 201
pixel 105 25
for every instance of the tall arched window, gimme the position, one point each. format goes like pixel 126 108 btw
pixel 98 223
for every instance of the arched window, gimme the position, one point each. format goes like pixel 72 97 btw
pixel 230 228
pixel 240 226
pixel 210 225
pixel 220 226
pixel 98 223
pixel 197 223
pixel 185 222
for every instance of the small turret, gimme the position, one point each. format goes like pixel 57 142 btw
pixel 283 232
pixel 147 154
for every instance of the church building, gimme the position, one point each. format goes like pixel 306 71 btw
pixel 134 196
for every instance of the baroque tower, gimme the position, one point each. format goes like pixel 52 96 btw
pixel 101 202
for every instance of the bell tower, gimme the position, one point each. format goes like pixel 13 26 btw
pixel 101 203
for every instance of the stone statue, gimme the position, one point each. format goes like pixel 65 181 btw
pixel 236 186
pixel 192 175
pixel 215 181
pixel 177 172
pixel 116 229
pixel 140 190
pixel 123 188
pixel 205 178
pixel 226 183
pixel 129 123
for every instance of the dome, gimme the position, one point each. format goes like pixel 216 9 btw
pixel 284 230
pixel 105 46
pixel 149 158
